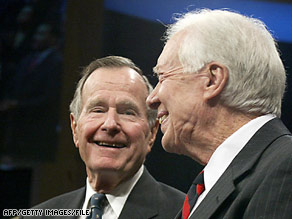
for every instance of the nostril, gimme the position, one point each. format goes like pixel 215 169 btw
pixel 111 123
pixel 153 102
pixel 111 130
pixel 154 105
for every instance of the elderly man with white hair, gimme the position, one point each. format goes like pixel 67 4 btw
pixel 221 83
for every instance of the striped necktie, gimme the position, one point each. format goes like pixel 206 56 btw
pixel 194 192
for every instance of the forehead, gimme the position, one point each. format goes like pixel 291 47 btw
pixel 169 59
pixel 115 80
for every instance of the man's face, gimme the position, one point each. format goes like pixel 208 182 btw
pixel 112 132
pixel 178 97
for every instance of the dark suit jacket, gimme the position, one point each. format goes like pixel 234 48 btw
pixel 258 182
pixel 148 199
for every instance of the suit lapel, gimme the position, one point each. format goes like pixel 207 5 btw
pixel 241 164
pixel 221 190
pixel 73 200
pixel 178 216
pixel 77 201
pixel 142 201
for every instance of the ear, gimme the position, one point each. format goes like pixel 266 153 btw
pixel 152 134
pixel 74 129
pixel 217 80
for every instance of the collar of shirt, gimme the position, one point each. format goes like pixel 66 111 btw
pixel 117 198
pixel 227 151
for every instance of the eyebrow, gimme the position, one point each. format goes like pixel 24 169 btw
pixel 96 102
pixel 128 104
pixel 124 104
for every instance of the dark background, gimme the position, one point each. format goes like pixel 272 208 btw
pixel 89 31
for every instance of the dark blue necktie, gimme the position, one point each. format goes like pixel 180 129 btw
pixel 96 205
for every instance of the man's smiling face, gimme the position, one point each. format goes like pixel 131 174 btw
pixel 178 97
pixel 112 132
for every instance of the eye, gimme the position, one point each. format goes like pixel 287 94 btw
pixel 98 110
pixel 129 112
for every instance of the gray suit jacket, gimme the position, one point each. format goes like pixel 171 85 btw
pixel 148 199
pixel 258 182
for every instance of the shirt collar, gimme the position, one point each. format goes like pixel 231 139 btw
pixel 118 197
pixel 227 151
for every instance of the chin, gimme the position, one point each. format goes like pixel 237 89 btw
pixel 103 165
pixel 105 171
pixel 167 146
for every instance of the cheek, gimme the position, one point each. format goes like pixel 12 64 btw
pixel 87 129
pixel 170 95
pixel 164 91
pixel 138 134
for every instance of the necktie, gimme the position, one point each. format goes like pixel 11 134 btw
pixel 96 206
pixel 194 192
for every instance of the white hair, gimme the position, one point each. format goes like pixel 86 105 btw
pixel 256 82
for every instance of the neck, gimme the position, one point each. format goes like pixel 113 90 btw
pixel 219 125
pixel 106 181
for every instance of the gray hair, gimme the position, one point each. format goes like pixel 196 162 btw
pixel 257 77
pixel 109 62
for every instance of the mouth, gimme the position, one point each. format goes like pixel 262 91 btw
pixel 161 119
pixel 110 145
pixel 162 116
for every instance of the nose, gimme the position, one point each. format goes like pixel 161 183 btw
pixel 111 124
pixel 152 100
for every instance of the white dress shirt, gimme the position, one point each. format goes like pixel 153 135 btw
pixel 227 151
pixel 116 200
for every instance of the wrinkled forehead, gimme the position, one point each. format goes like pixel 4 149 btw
pixel 122 79
pixel 169 58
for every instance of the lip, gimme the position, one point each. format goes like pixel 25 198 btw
pixel 109 144
pixel 162 116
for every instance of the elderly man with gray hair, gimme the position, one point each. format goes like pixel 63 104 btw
pixel 221 83
pixel 114 130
